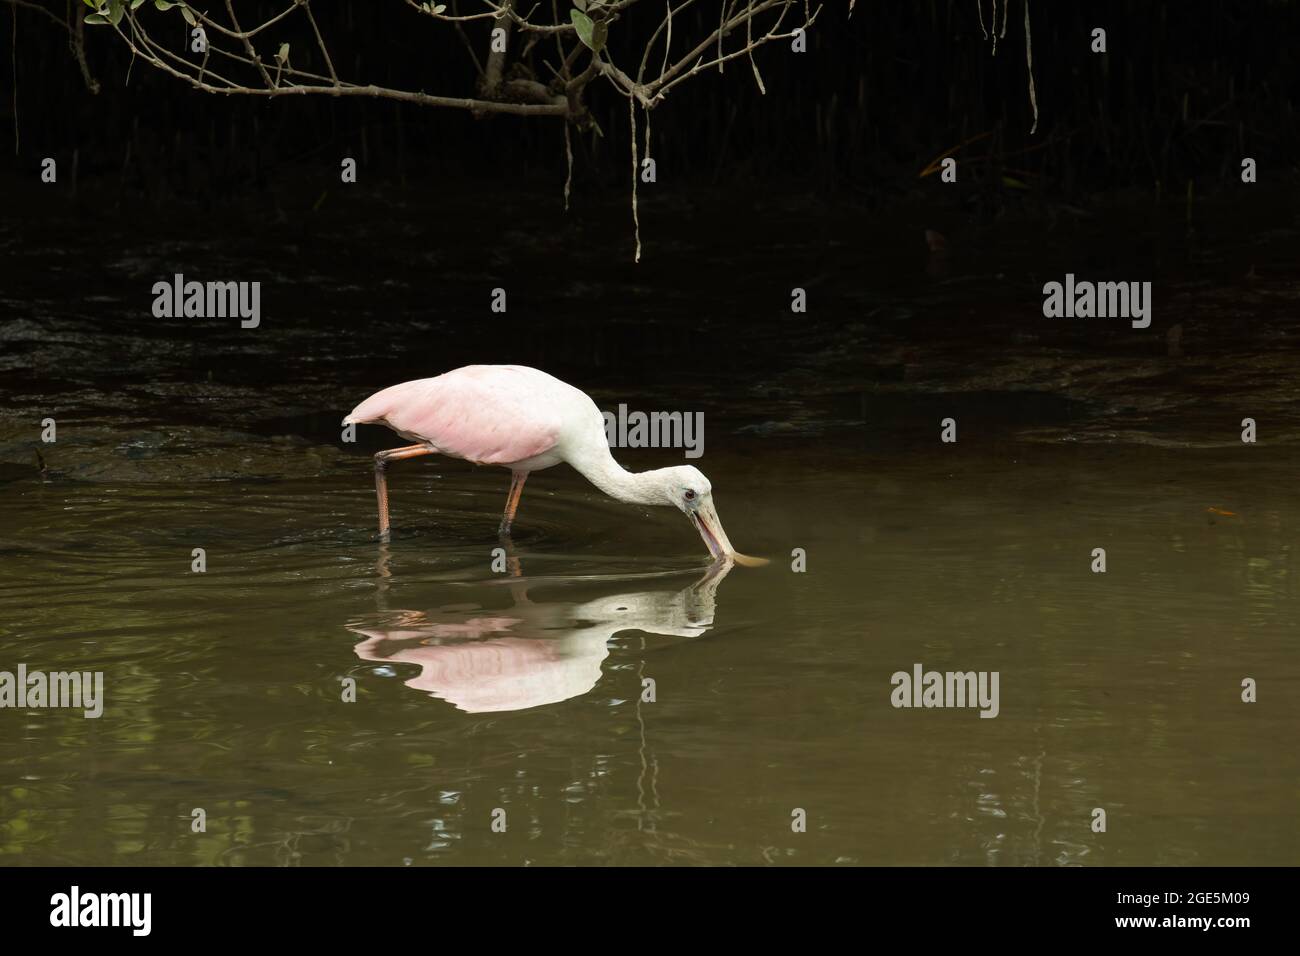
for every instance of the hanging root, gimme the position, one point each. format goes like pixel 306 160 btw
pixel 1029 47
pixel 636 219
pixel 647 153
pixel 568 152
pixel 1029 65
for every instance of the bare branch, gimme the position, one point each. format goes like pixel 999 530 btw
pixel 40 9
pixel 504 80
pixel 497 58
pixel 214 82
pixel 74 28
pixel 660 87
pixel 329 64
pixel 248 42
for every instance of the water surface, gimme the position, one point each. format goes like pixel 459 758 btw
pixel 478 691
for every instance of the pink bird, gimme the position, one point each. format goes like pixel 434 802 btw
pixel 525 420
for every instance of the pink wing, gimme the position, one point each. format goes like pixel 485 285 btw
pixel 489 414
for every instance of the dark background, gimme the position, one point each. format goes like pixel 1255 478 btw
pixel 1185 90
pixel 1133 174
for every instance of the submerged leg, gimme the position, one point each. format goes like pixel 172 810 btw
pixel 381 483
pixel 513 567
pixel 517 479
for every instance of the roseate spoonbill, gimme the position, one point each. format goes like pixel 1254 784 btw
pixel 530 654
pixel 525 420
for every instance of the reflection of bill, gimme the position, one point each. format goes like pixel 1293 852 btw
pixel 537 652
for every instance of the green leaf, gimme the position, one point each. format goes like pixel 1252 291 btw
pixel 581 5
pixel 283 53
pixel 440 8
pixel 136 4
pixel 163 4
pixel 96 18
pixel 582 23
pixel 115 11
pixel 93 4
pixel 188 14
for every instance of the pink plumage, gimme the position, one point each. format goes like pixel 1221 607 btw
pixel 482 413
pixel 527 420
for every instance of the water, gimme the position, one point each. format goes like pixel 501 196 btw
pixel 478 691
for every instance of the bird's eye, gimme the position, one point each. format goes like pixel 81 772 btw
pixel 690 494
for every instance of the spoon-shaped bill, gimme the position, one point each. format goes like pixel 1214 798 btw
pixel 706 521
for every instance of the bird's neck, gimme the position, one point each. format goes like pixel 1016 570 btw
pixel 600 468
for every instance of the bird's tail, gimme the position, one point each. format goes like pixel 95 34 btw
pixel 374 410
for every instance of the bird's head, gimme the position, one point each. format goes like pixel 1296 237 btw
pixel 687 489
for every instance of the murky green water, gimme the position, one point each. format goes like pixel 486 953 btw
pixel 478 692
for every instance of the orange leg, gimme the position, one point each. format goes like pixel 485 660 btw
pixel 381 482
pixel 517 480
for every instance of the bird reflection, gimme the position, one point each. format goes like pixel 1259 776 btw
pixel 536 652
